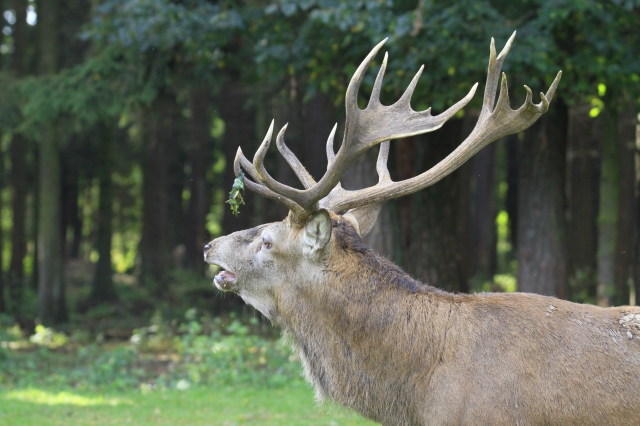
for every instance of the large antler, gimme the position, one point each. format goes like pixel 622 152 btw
pixel 378 123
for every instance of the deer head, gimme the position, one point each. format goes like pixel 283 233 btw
pixel 260 263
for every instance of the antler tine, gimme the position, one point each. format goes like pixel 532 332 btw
pixel 297 167
pixel 493 74
pixel 552 88
pixel 493 123
pixel 406 96
pixel 241 163
pixel 351 96
pixel 374 100
pixel 503 96
pixel 298 196
pixel 381 164
pixel 331 155
pixel 258 157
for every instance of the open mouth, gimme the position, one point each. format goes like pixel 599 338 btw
pixel 225 280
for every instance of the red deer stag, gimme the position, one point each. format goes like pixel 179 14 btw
pixel 396 350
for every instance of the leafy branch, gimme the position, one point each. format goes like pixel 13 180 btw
pixel 235 196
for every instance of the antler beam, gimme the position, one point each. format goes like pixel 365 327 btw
pixel 376 123
pixel 493 123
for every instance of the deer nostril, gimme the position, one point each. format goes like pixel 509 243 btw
pixel 207 247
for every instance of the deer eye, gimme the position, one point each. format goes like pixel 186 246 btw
pixel 266 243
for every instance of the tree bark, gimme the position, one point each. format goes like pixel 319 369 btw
pixel 362 174
pixel 483 258
pixel 200 150
pixel 17 178
pixel 541 231
pixel 51 296
pixel 406 158
pixel 513 146
pixel 154 245
pixel 317 121
pixel 71 160
pixel 3 305
pixel 608 209
pixel 624 250
pixel 102 288
pixel 18 153
pixel 636 264
pixel 583 159
pixel 434 247
pixel 176 159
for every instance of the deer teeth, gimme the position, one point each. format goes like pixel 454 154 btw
pixel 225 279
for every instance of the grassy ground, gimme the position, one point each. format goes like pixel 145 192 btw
pixel 225 406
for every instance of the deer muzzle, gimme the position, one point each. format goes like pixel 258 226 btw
pixel 225 280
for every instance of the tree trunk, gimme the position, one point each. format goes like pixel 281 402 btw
pixel 316 125
pixel 434 247
pixel 70 192
pixel 176 160
pixel 463 216
pixel 3 305
pixel 34 280
pixel 513 146
pixel 624 251
pixel 18 179
pixel 18 153
pixel 636 264
pixel 608 210
pixel 582 199
pixel 154 245
pixel 200 150
pixel 103 289
pixel 483 258
pixel 51 295
pixel 541 231
pixel 406 167
pixel 362 174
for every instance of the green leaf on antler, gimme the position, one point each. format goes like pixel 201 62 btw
pixel 235 196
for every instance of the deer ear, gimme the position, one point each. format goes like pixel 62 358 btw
pixel 317 233
pixel 363 218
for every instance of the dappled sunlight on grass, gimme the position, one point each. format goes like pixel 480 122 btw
pixel 37 396
pixel 199 406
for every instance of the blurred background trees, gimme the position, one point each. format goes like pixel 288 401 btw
pixel 120 120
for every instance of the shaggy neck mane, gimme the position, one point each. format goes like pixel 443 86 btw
pixel 386 272
pixel 348 328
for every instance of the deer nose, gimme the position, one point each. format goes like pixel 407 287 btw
pixel 207 247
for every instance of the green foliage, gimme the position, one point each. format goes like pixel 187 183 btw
pixel 143 47
pixel 238 357
pixel 235 196
pixel 166 354
pixel 45 336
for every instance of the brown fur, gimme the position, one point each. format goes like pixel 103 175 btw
pixel 404 353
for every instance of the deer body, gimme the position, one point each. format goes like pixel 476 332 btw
pixel 401 352
pixel 404 353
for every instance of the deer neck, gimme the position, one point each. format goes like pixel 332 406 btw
pixel 348 328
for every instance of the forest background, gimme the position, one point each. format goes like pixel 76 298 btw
pixel 120 119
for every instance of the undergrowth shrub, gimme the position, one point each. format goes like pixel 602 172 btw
pixel 233 357
pixel 165 355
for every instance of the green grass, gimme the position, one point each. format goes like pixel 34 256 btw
pixel 224 406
